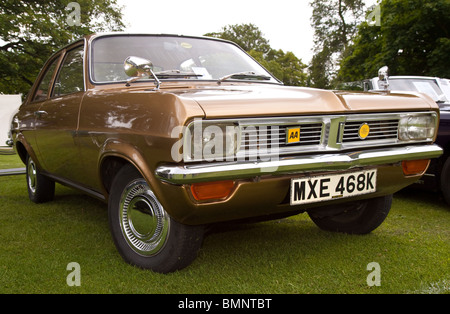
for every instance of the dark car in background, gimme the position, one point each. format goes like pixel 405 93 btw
pixel 437 177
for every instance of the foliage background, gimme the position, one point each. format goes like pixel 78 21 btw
pixel 284 65
pixel 413 38
pixel 32 30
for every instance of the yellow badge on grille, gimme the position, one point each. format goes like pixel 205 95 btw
pixel 293 135
pixel 363 131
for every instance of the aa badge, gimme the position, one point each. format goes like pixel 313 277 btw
pixel 293 135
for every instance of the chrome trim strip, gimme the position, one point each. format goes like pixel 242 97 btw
pixel 13 171
pixel 77 186
pixel 187 174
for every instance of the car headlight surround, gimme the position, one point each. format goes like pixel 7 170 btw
pixel 211 141
pixel 417 127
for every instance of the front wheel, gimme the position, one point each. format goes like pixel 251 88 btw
pixel 359 217
pixel 143 232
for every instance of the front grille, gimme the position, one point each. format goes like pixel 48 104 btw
pixel 263 138
pixel 310 134
pixel 256 137
pixel 379 130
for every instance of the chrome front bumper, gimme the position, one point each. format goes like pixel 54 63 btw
pixel 188 174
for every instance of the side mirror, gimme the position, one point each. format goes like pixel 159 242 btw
pixel 383 76
pixel 136 68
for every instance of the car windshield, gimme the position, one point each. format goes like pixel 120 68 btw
pixel 208 59
pixel 445 86
pixel 427 86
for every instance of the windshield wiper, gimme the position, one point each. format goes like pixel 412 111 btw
pixel 175 73
pixel 243 75
pixel 164 75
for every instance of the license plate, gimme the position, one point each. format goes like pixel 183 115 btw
pixel 329 187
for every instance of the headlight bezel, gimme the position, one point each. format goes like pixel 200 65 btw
pixel 211 140
pixel 413 127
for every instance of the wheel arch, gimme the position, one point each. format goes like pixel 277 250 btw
pixel 21 151
pixel 440 162
pixel 24 149
pixel 116 154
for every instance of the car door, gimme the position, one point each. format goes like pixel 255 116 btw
pixel 29 110
pixel 57 119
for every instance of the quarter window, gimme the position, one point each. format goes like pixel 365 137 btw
pixel 70 77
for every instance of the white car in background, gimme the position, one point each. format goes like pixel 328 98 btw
pixel 437 177
pixel 435 87
pixel 9 104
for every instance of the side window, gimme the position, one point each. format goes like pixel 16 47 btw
pixel 70 77
pixel 43 88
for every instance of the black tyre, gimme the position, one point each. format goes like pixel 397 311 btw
pixel 358 217
pixel 143 232
pixel 445 180
pixel 40 188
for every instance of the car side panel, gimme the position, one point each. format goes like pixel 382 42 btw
pixel 443 138
pixel 135 126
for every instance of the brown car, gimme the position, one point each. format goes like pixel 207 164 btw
pixel 176 133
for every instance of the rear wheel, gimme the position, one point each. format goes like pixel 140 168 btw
pixel 144 233
pixel 358 217
pixel 40 188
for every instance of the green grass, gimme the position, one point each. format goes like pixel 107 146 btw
pixel 287 256
pixel 8 160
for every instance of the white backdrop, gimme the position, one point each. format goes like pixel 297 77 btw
pixel 8 106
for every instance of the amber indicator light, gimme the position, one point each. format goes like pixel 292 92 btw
pixel 212 190
pixel 412 167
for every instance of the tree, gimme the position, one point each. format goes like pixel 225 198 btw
pixel 413 39
pixel 283 65
pixel 335 23
pixel 31 30
pixel 247 36
pixel 319 69
pixel 292 68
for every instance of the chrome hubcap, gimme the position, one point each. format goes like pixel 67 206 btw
pixel 143 220
pixel 31 175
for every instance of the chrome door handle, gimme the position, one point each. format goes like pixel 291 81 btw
pixel 40 113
